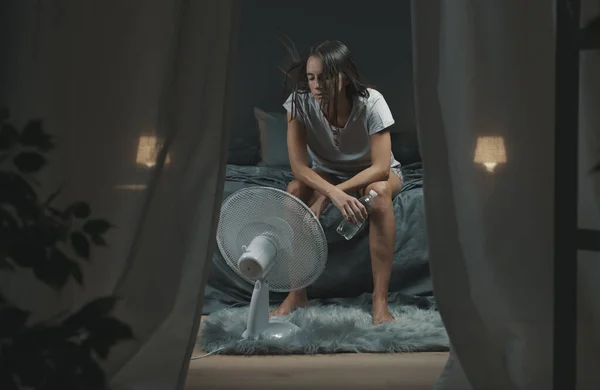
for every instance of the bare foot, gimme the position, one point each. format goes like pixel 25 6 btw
pixel 294 300
pixel 381 312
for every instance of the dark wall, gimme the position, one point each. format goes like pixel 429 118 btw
pixel 378 32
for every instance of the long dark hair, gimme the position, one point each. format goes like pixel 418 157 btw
pixel 336 59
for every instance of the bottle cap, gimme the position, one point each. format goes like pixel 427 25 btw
pixel 373 193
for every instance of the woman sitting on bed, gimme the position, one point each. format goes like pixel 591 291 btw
pixel 343 125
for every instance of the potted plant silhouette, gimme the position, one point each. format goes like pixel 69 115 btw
pixel 62 353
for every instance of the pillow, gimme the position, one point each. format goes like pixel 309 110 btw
pixel 272 128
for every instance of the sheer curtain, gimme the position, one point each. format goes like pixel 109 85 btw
pixel 484 85
pixel 135 95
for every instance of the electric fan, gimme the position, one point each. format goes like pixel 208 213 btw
pixel 274 241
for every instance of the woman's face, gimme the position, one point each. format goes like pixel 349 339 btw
pixel 321 87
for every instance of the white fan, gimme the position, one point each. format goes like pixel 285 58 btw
pixel 273 240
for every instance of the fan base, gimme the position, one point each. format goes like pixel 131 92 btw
pixel 277 329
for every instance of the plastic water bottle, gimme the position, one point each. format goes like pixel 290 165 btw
pixel 349 229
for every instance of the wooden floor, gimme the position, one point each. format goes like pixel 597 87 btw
pixel 417 371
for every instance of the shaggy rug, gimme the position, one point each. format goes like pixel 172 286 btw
pixel 329 329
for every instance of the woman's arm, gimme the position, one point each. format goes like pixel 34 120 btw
pixel 381 159
pixel 296 141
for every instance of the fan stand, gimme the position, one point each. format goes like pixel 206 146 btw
pixel 259 324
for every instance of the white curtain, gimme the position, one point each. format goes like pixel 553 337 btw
pixel 106 78
pixel 484 85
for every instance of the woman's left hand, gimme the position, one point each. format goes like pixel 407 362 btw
pixel 319 206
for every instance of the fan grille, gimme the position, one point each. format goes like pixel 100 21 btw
pixel 299 237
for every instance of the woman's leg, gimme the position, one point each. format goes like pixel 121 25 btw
pixel 307 195
pixel 382 234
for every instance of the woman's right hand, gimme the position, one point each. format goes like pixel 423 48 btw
pixel 352 210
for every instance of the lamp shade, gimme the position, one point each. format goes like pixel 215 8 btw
pixel 490 151
pixel 147 152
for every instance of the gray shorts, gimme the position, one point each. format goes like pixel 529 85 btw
pixel 398 172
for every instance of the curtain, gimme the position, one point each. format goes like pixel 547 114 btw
pixel 484 87
pixel 134 94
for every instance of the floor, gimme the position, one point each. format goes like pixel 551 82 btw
pixel 417 371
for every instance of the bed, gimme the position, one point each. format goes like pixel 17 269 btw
pixel 259 158
pixel 347 276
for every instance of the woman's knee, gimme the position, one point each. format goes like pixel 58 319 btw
pixel 297 188
pixel 383 201
pixel 383 189
pixel 386 190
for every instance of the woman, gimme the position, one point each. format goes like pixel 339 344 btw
pixel 343 125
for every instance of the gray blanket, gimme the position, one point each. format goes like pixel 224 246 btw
pixel 347 278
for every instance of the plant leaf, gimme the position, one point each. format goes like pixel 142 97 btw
pixel 92 376
pixel 8 136
pixel 79 210
pixel 16 191
pixel 13 320
pixel 53 196
pixel 9 230
pixel 117 329
pixel 9 227
pixel 91 312
pixel 27 254
pixel 34 135
pixel 98 240
pixel 81 245
pixel 106 333
pixel 76 272
pixel 55 212
pixel 56 270
pixel 48 230
pixel 100 344
pixel 95 227
pixel 57 366
pixel 29 162
pixel 51 229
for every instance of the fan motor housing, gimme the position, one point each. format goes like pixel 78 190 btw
pixel 258 257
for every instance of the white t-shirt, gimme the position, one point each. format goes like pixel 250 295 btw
pixel 344 151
